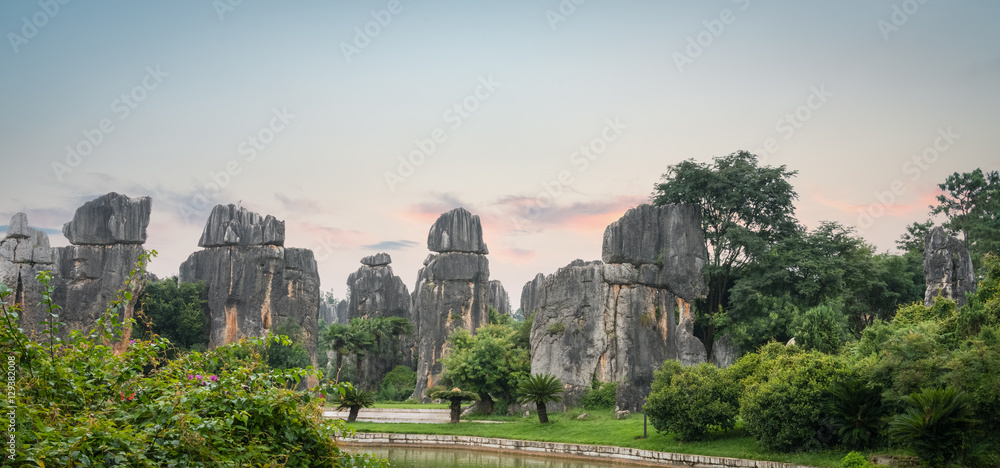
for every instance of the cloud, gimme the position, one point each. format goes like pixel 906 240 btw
pixel 513 255
pixel 391 245
pixel 429 211
pixel 894 208
pixel 523 214
pixel 300 205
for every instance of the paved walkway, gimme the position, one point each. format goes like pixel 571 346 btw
pixel 394 415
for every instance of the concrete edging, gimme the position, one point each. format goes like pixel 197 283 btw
pixel 561 449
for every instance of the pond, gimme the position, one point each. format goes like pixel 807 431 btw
pixel 411 457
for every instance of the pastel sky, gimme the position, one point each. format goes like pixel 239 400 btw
pixel 305 110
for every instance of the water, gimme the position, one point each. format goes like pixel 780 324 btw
pixel 410 457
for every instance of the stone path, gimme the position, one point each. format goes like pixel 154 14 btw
pixel 394 415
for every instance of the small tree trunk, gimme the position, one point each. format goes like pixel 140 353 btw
pixel 456 410
pixel 543 414
pixel 486 404
pixel 353 416
pixel 340 365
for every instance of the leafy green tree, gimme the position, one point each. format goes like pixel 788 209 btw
pixel 915 237
pixel 540 389
pixel 971 202
pixel 856 412
pixel 398 384
pixel 600 396
pixel 345 340
pixel 688 401
pixel 455 396
pixel 488 363
pixel 823 328
pixel 935 425
pixel 290 355
pixel 398 327
pixel 745 208
pixel 176 311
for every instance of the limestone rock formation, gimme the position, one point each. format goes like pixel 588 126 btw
pixel 109 220
pixel 724 352
pixel 498 298
pixel 377 292
pixel 615 320
pixel 106 236
pixel 452 292
pixel 254 283
pixel 530 293
pixel 457 231
pixel 947 268
pixel 234 225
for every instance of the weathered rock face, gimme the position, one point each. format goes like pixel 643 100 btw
pixel 328 313
pixel 253 288
pixel 724 352
pixel 107 235
pixel 529 295
pixel 452 292
pixel 947 268
pixel 377 292
pixel 498 298
pixel 616 321
pixel 457 231
pixel 233 225
pixel 109 220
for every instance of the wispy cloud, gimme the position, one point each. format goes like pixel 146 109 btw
pixel 918 205
pixel 391 245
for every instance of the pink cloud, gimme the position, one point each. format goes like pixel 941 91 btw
pixel 891 207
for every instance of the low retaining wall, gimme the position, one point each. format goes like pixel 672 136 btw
pixel 561 449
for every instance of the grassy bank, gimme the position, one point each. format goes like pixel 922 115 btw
pixel 602 429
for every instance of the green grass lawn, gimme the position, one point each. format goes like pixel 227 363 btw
pixel 602 429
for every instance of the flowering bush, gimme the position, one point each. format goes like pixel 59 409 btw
pixel 81 402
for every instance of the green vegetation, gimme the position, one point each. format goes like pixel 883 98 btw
pixel 540 389
pixel 690 401
pixel 600 396
pixel 489 363
pixel 96 399
pixel 936 424
pixel 176 311
pixel 354 399
pixel 398 384
pixel 455 396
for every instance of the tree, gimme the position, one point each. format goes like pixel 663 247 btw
pixel 915 237
pixel 540 389
pixel 687 401
pixel 344 340
pixel 177 311
pixel 489 363
pixel 398 327
pixel 935 425
pixel 456 396
pixel 355 399
pixel 972 204
pixel 745 208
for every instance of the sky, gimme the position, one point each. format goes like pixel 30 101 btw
pixel 358 123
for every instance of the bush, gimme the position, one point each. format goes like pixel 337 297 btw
pixel 856 413
pixel 601 396
pixel 855 460
pixel 823 328
pixel 688 401
pixel 935 425
pixel 784 402
pixel 398 384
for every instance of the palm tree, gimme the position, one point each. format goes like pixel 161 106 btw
pixel 355 400
pixel 336 337
pixel 540 389
pixel 398 327
pixel 456 396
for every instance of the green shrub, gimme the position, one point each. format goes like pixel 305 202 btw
pixel 935 425
pixel 688 401
pixel 823 328
pixel 784 400
pixel 556 328
pixel 856 413
pixel 855 460
pixel 601 396
pixel 398 384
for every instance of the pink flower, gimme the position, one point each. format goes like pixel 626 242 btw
pixel 214 378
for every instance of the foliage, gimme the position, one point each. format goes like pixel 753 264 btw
pixel 971 201
pixel 398 384
pixel 745 208
pixel 600 396
pixel 288 354
pixel 98 400
pixel 176 311
pixel 354 399
pixel 935 425
pixel 343 340
pixel 913 240
pixel 855 460
pixel 540 389
pixel 785 390
pixel 488 363
pixel 688 401
pixel 856 413
pixel 823 328
pixel 556 328
pixel 455 396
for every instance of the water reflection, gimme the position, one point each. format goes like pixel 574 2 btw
pixel 409 457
